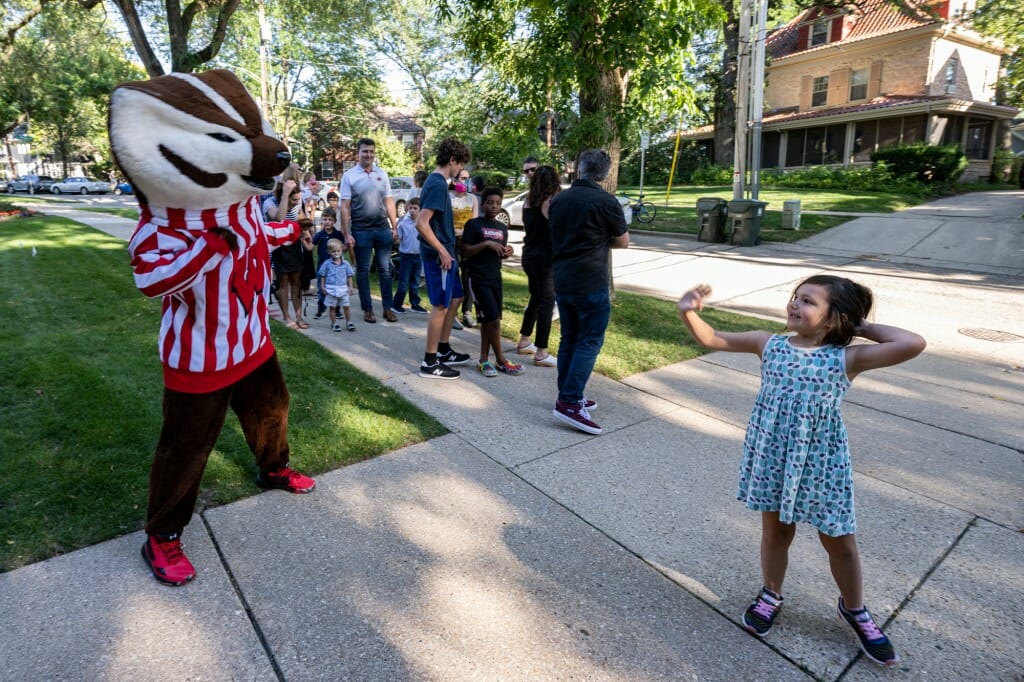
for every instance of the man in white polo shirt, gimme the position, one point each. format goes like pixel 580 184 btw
pixel 370 225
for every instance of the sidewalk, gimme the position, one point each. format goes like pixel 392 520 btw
pixel 516 549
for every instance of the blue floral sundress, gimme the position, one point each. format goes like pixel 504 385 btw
pixel 796 457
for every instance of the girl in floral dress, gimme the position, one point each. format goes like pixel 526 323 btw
pixel 796 463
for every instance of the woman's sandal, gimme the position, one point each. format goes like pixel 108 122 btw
pixel 528 349
pixel 301 324
pixel 546 361
pixel 291 324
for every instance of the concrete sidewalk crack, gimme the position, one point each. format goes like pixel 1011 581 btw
pixel 914 590
pixel 245 602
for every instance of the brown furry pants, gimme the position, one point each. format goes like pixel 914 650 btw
pixel 192 422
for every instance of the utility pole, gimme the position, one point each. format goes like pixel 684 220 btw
pixel 757 98
pixel 265 37
pixel 742 102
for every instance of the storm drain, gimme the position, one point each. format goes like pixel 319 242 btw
pixel 991 335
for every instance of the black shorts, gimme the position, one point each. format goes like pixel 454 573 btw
pixel 487 296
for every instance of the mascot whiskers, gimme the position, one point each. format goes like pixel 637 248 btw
pixel 198 153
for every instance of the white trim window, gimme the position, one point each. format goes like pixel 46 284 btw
pixel 819 31
pixel 819 92
pixel 859 84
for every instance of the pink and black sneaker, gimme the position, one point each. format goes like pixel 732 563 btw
pixel 872 640
pixel 286 479
pixel 164 556
pixel 759 616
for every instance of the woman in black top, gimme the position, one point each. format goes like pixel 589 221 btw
pixel 536 260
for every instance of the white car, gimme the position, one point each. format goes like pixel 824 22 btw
pixel 512 209
pixel 402 190
pixel 80 185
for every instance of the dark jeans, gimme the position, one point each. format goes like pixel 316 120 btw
pixel 409 265
pixel 192 422
pixel 368 241
pixel 584 319
pixel 542 303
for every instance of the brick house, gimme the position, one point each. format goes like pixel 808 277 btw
pixel 843 82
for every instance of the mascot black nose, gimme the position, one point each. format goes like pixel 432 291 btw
pixel 283 159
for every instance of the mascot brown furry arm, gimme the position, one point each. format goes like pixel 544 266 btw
pixel 198 153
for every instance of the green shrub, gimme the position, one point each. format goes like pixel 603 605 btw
pixel 924 162
pixel 713 175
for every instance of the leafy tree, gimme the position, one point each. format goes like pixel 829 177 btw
pixel 207 18
pixel 1002 19
pixel 60 75
pixel 605 64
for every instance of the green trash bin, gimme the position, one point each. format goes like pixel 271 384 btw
pixel 746 217
pixel 711 219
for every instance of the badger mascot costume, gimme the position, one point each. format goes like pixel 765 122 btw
pixel 197 152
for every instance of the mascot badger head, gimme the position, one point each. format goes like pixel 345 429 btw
pixel 193 141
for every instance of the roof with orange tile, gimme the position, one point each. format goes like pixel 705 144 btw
pixel 872 18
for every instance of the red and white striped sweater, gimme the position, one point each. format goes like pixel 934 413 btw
pixel 215 326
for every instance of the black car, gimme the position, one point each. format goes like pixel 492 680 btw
pixel 30 183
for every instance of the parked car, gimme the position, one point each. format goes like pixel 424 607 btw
pixel 124 188
pixel 402 190
pixel 78 184
pixel 3 185
pixel 512 209
pixel 30 183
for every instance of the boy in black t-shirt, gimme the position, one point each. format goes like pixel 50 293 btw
pixel 484 245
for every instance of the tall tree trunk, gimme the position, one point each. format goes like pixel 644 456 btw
pixel 725 92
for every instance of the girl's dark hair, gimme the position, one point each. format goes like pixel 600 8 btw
pixel 544 184
pixel 419 178
pixel 849 303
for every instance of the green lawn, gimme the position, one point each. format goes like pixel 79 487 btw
pixel 679 214
pixel 82 391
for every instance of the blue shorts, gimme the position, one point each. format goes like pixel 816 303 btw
pixel 443 286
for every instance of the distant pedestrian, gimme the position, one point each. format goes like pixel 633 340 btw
pixel 484 247
pixel 465 206
pixel 370 225
pixel 536 261
pixel 585 223
pixel 436 226
pixel 334 281
pixel 796 462
pixel 409 261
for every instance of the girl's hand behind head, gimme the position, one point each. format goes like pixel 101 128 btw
pixel 694 298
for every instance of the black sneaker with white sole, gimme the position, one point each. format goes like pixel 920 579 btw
pixel 450 357
pixel 438 370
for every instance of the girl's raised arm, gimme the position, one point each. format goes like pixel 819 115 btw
pixel 892 346
pixel 737 342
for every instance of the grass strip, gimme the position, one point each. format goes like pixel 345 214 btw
pixel 82 397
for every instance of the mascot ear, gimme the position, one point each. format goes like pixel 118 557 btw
pixel 193 140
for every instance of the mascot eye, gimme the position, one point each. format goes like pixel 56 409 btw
pixel 221 137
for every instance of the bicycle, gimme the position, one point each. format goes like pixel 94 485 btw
pixel 643 211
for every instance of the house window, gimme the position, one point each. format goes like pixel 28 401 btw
pixel 978 135
pixel 819 93
pixel 953 129
pixel 819 31
pixel 327 169
pixel 951 68
pixel 859 84
pixel 408 139
pixel 864 136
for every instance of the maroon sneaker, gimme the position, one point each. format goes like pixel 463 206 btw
pixel 576 415
pixel 164 556
pixel 286 479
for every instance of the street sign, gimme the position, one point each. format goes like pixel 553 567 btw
pixel 645 140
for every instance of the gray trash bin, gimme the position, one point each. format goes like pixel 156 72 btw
pixel 746 217
pixel 711 219
pixel 791 214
